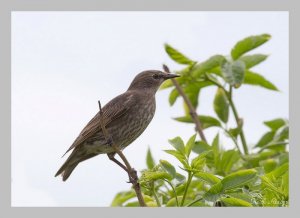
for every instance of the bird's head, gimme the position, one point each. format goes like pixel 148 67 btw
pixel 150 80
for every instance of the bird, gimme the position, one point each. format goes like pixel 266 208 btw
pixel 125 118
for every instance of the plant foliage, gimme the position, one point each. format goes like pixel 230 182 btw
pixel 208 174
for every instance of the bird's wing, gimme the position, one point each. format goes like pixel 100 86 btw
pixel 111 111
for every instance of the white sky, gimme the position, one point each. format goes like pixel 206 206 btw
pixel 64 62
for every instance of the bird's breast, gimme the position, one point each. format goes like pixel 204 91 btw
pixel 133 124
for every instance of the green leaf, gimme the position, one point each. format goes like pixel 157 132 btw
pixel 275 124
pixel 178 144
pixel 283 158
pixel 216 144
pixel 278 172
pixel 254 159
pixel 150 176
pixel 212 62
pixel 229 158
pixel 265 139
pixel 166 84
pixel 179 156
pixel 186 110
pixel 282 134
pixel 221 105
pixel 172 202
pixel 217 188
pixel 185 72
pixel 248 44
pixel 132 204
pixel 252 78
pixel 275 145
pixel 210 77
pixel 238 178
pixel 176 154
pixel 192 91
pixel 216 151
pixel 122 197
pixel 173 96
pixel 151 204
pixel 207 177
pixel 241 195
pixel 235 202
pixel 267 182
pixel 285 183
pixel 234 73
pixel 179 179
pixel 199 162
pixel 216 71
pixel 149 160
pixel 214 193
pixel 168 167
pixel 252 60
pixel 147 198
pixel 269 165
pixel 201 146
pixel 234 132
pixel 206 121
pixel 177 56
pixel 189 146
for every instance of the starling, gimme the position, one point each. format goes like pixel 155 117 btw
pixel 125 118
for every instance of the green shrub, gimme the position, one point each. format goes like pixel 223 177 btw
pixel 216 176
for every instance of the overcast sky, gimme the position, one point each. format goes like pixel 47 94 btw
pixel 64 62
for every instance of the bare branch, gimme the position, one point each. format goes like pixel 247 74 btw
pixel 191 108
pixel 133 178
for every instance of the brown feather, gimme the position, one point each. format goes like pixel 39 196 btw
pixel 111 111
pixel 125 118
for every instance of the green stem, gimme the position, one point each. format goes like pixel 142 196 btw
pixel 190 176
pixel 235 113
pixel 193 202
pixel 234 140
pixel 155 196
pixel 177 203
pixel 236 116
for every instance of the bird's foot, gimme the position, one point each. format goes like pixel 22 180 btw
pixel 132 176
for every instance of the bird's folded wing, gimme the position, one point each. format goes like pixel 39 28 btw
pixel 111 111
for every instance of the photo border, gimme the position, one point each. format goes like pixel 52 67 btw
pixel 143 5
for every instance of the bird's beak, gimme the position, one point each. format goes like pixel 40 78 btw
pixel 169 76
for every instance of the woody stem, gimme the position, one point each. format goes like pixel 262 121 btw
pixel 131 172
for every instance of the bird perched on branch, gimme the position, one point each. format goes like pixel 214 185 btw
pixel 125 117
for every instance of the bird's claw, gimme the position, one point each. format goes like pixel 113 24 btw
pixel 132 176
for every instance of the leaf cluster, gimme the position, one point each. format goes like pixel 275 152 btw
pixel 207 174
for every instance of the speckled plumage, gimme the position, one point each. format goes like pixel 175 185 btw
pixel 125 117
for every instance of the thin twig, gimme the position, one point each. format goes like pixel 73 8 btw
pixel 192 110
pixel 131 172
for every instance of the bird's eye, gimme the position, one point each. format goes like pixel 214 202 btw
pixel 155 76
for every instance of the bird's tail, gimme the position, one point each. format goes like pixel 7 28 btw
pixel 66 171
pixel 73 160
